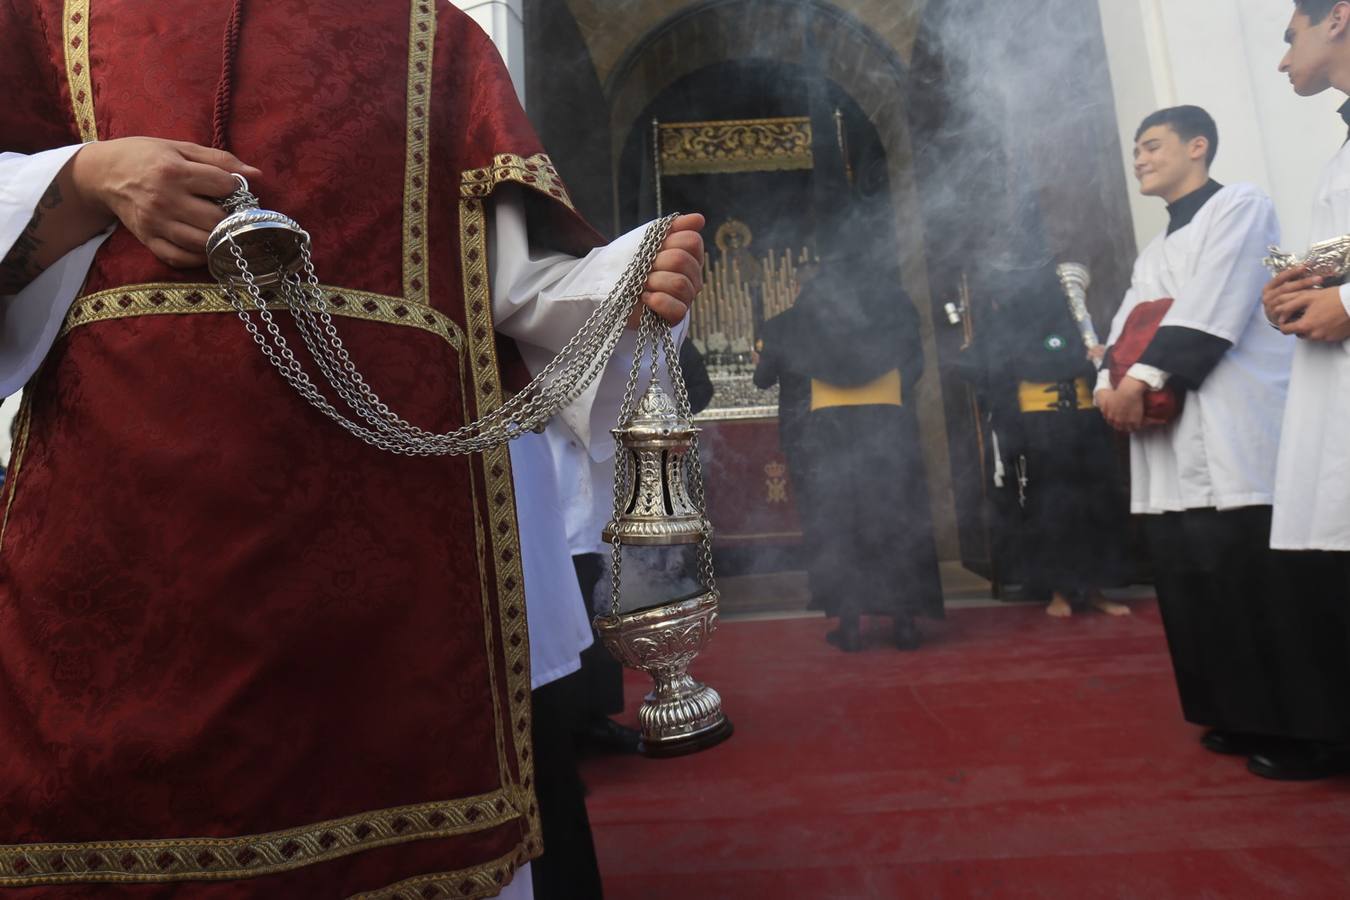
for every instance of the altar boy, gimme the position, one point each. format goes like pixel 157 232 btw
pixel 1312 489
pixel 1204 481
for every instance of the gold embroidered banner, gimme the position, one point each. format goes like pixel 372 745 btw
pixel 736 145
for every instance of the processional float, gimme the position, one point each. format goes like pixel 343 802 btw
pixel 658 483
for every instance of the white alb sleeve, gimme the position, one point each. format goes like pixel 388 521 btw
pixel 541 298
pixel 31 319
pixel 1155 378
pixel 1103 381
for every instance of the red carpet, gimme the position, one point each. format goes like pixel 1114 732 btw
pixel 1014 756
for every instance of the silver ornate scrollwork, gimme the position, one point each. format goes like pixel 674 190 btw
pixel 1075 278
pixel 1329 258
pixel 659 501
pixel 655 506
pixel 663 642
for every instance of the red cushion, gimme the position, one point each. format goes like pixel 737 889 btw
pixel 1160 407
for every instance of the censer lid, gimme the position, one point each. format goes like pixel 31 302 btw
pixel 271 243
pixel 656 418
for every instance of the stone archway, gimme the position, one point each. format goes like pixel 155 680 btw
pixel 820 37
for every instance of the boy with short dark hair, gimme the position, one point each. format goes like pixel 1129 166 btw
pixel 1204 480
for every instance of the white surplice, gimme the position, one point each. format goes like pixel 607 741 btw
pixel 1312 490
pixel 1220 452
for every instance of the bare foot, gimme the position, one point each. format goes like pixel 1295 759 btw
pixel 1110 607
pixel 1059 606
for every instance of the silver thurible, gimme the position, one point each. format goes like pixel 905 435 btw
pixel 659 501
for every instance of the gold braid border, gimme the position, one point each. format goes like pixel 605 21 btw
pixel 183 299
pixel 537 173
pixel 503 533
pixel 485 880
pixel 75 38
pixel 421 37
pixel 219 859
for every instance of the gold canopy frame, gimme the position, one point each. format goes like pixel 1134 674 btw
pixel 734 145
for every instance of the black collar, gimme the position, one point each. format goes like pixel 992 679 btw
pixel 1180 213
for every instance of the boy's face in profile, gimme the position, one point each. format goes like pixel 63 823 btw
pixel 1307 62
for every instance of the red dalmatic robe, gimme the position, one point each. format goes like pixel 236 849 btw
pixel 243 654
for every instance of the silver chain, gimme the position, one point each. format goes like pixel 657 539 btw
pixel 556 386
pixel 695 467
pixel 655 338
pixel 623 469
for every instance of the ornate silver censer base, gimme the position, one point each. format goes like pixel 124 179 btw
pixel 680 715
pixel 271 244
pixel 1329 258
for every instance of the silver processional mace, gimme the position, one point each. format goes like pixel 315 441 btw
pixel 1076 278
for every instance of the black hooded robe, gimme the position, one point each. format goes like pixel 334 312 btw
pixel 1070 518
pixel 866 518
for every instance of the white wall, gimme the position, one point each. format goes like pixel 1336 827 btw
pixel 1222 55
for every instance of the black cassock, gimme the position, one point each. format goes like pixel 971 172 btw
pixel 857 470
pixel 1062 511
pixel 794 395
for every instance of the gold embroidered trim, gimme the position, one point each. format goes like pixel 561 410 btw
pixel 75 39
pixel 24 416
pixel 736 145
pixel 421 40
pixel 503 532
pixel 485 880
pixel 485 598
pixel 181 299
pixel 218 859
pixel 421 36
pixel 535 172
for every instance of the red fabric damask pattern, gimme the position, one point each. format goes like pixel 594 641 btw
pixel 1160 407
pixel 222 617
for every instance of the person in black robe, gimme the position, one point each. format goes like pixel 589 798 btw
pixel 697 382
pixel 794 404
pixel 1066 508
pixel 850 353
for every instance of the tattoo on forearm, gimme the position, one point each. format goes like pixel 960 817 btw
pixel 20 265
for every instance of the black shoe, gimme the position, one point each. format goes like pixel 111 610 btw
pixel 847 637
pixel 1302 761
pixel 1235 743
pixel 907 634
pixel 603 735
